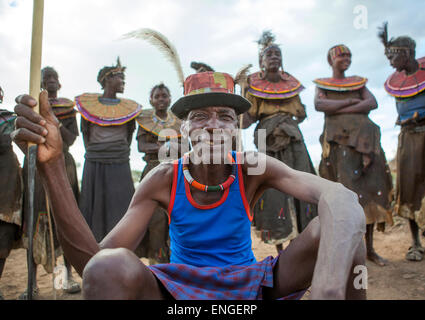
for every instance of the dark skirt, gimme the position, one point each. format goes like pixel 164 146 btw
pixel 352 155
pixel 106 192
pixel 373 184
pixel 410 185
pixel 11 186
pixel 155 244
pixel 8 237
pixel 279 217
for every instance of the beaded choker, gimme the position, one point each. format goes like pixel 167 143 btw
pixel 221 187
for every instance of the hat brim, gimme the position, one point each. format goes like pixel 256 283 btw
pixel 197 101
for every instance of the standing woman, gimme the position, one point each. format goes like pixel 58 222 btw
pixel 352 152
pixel 407 86
pixel 276 104
pixel 64 110
pixel 154 245
pixel 10 190
pixel 107 125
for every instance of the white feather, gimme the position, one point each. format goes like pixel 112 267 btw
pixel 163 44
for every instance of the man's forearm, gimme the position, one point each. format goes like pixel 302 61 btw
pixel 75 236
pixel 343 225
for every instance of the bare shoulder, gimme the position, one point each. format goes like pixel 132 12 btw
pixel 156 185
pixel 161 175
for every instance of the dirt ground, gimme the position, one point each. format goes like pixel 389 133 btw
pixel 399 280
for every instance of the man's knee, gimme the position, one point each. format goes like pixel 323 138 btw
pixel 314 231
pixel 112 273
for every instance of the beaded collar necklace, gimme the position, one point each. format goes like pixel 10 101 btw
pixel 157 119
pixel 221 187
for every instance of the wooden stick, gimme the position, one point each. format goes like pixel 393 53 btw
pixel 240 145
pixel 35 80
pixel 36 50
pixel 52 244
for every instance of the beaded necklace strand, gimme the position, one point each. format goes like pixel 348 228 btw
pixel 221 187
pixel 157 119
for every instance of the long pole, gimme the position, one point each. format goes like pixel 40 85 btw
pixel 52 244
pixel 35 79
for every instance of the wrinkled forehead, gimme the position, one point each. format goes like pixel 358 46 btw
pixel 212 110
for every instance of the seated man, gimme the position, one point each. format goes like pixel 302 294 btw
pixel 210 220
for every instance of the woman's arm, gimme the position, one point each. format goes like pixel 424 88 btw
pixel 329 106
pixel 365 105
pixel 69 130
pixel 145 144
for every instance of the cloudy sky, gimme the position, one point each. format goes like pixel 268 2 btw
pixel 80 37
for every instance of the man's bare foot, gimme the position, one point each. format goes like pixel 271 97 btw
pixel 374 257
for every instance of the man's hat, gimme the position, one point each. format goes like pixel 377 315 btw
pixel 208 89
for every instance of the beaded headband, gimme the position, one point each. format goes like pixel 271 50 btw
pixel 117 69
pixel 338 50
pixel 390 49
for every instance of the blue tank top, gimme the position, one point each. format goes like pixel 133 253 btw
pixel 407 107
pixel 213 235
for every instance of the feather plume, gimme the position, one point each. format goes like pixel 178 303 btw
pixel 383 34
pixel 200 66
pixel 163 44
pixel 267 38
pixel 242 73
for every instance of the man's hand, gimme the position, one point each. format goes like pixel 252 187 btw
pixel 41 129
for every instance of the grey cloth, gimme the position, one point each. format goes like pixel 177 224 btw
pixel 110 152
pixel 102 134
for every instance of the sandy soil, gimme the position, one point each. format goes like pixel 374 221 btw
pixel 400 279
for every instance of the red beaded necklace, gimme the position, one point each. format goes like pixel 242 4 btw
pixel 221 187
